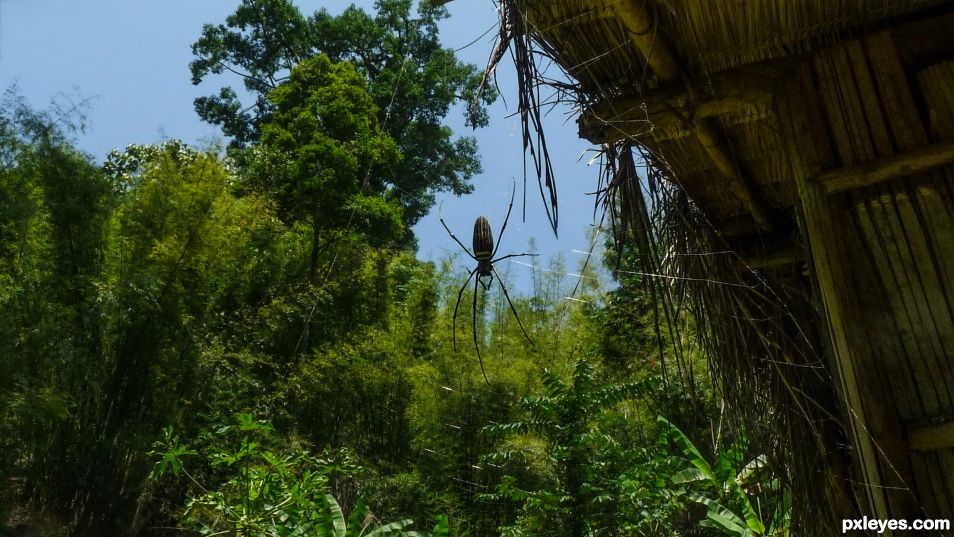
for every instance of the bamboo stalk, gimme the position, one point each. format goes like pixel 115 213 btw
pixel 658 53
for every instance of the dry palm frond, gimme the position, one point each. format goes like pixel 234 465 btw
pixel 516 37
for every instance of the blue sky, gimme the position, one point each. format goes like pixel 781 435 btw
pixel 131 58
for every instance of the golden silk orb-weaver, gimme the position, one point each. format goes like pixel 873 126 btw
pixel 483 253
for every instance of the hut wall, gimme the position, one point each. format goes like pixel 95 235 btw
pixel 882 247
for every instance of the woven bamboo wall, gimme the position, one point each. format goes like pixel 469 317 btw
pixel 884 259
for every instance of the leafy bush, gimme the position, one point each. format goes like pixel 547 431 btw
pixel 265 492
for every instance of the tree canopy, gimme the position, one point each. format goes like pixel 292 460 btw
pixel 322 155
pixel 411 77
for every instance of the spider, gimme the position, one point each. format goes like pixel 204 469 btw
pixel 483 253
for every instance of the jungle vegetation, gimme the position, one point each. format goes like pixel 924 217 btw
pixel 240 341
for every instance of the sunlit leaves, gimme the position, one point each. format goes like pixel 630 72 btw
pixel 170 453
pixel 269 492
pixel 721 487
pixel 318 153
pixel 411 77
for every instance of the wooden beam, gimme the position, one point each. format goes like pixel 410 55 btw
pixel 638 21
pixel 714 146
pixel 896 166
pixel 851 352
pixel 642 32
pixel 771 260
pixel 932 438
pixel 630 117
pixel 744 90
pixel 771 256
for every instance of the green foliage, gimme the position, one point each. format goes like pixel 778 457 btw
pixel 264 492
pixel 54 204
pixel 729 487
pixel 149 300
pixel 318 148
pixel 580 460
pixel 411 77
pixel 355 395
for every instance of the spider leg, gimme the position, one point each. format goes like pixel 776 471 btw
pixel 440 216
pixel 512 308
pixel 474 320
pixel 460 295
pixel 506 219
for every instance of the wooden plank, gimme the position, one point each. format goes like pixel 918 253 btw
pixel 843 106
pixel 872 333
pixel 932 437
pixel 912 402
pixel 824 70
pixel 935 82
pixel 936 480
pixel 871 110
pixel 937 208
pixel 899 285
pixel 945 460
pixel 936 198
pixel 897 98
pixel 933 301
pixel 885 169
pixel 907 263
pixel 926 484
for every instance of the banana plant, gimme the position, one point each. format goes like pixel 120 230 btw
pixel 731 510
pixel 332 523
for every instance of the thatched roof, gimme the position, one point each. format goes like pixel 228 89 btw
pixel 593 42
pixel 815 138
pixel 689 43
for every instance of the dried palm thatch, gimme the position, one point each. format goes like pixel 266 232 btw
pixel 758 338
pixel 515 36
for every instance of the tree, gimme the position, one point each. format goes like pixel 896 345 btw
pixel 413 80
pixel 321 150
pixel 54 205
pixel 174 237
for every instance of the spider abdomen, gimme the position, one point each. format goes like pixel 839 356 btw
pixel 483 239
